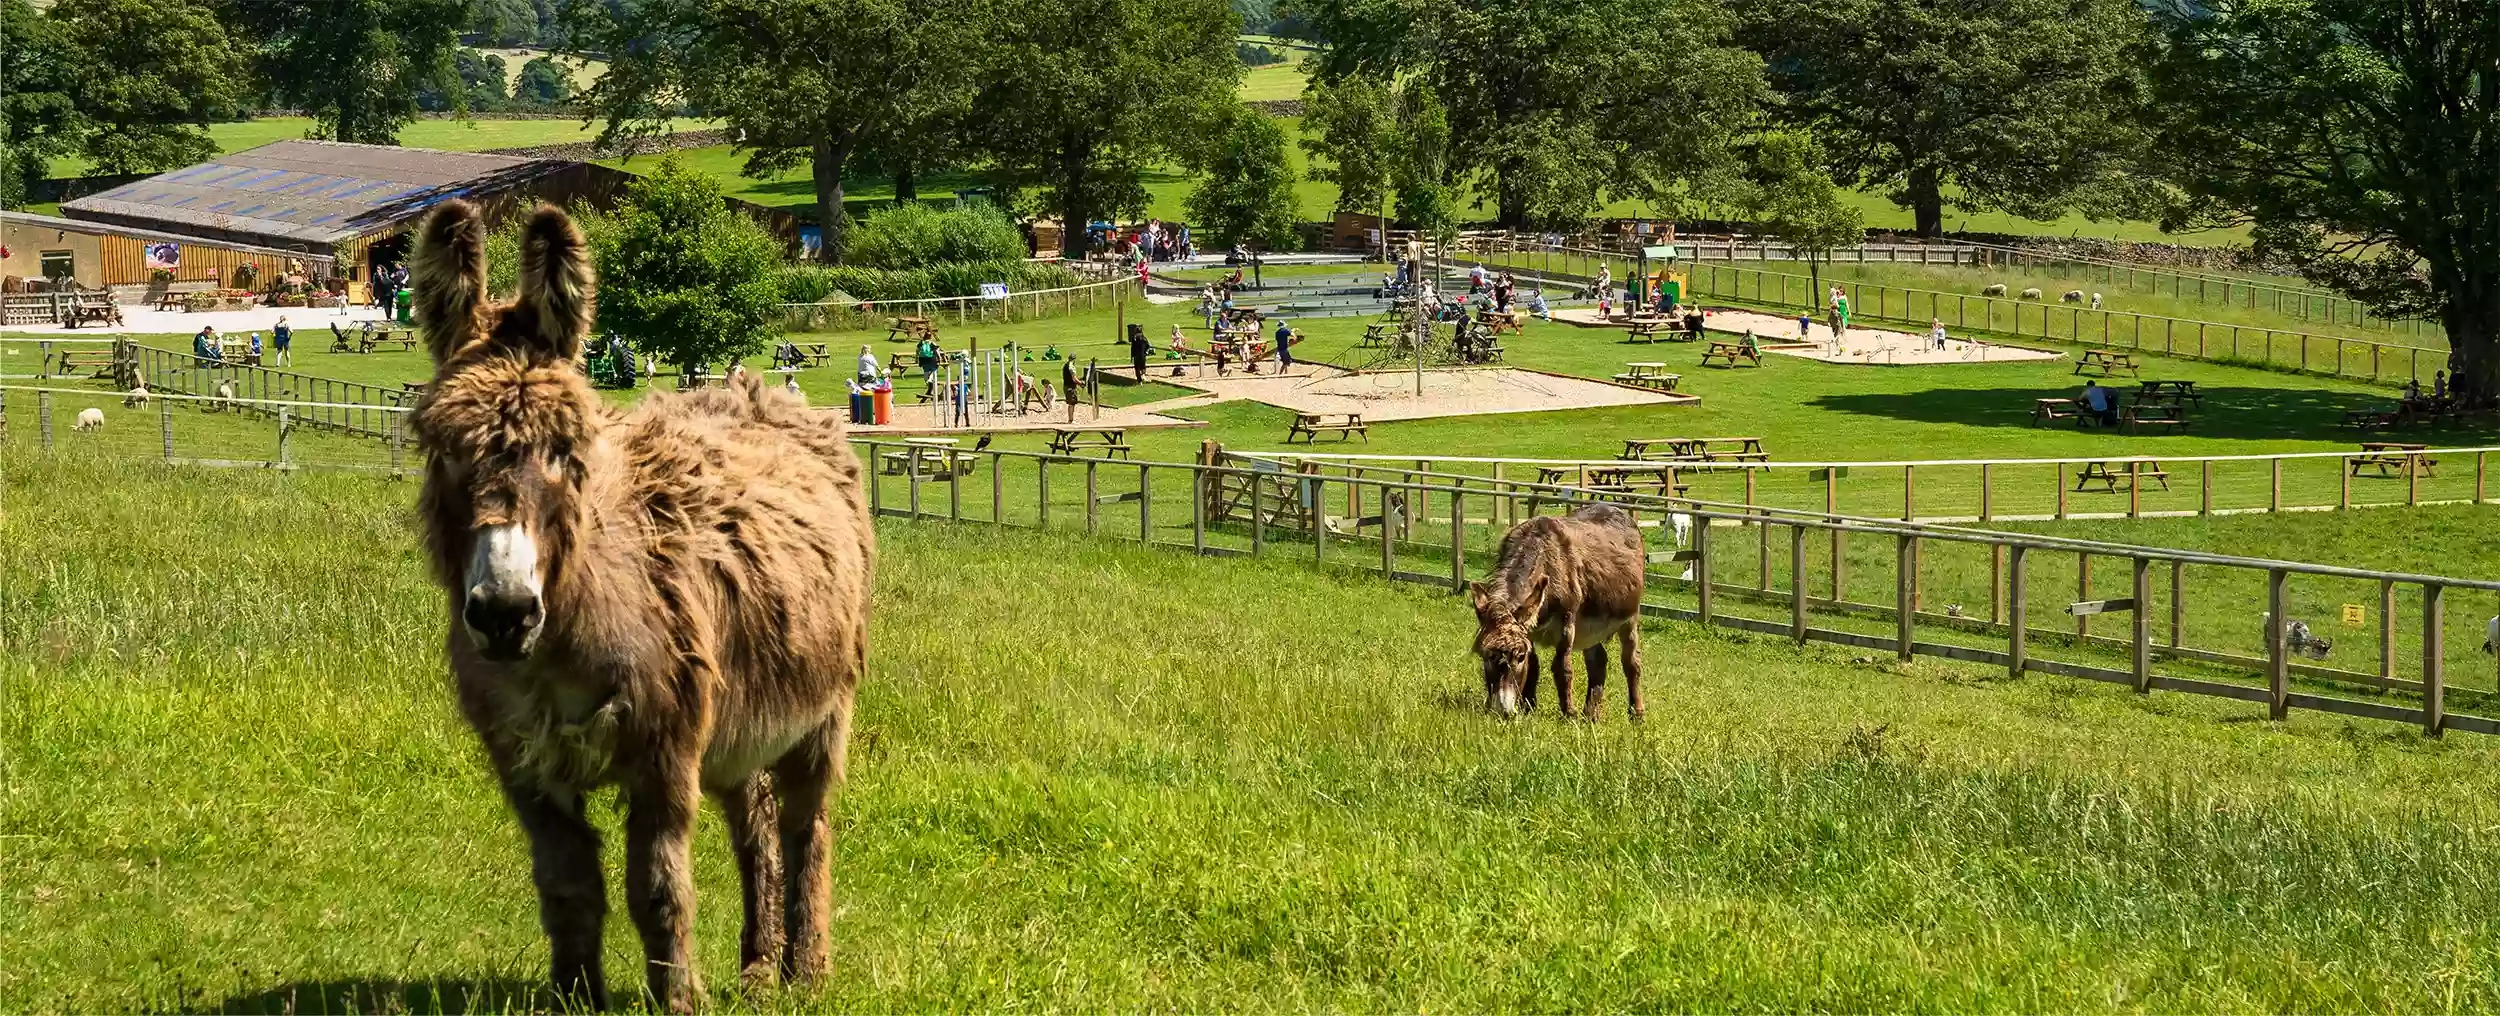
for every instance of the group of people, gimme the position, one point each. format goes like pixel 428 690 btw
pixel 388 280
pixel 209 347
pixel 1155 241
pixel 1500 284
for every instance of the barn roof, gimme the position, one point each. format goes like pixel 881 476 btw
pixel 317 192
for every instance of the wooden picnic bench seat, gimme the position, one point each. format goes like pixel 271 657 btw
pixel 89 363
pixel 942 463
pixel 2142 414
pixel 1497 322
pixel 2053 410
pixel 1378 334
pixel 1661 382
pixel 378 336
pixel 910 328
pixel 2106 362
pixel 2172 391
pixel 1649 329
pixel 2108 475
pixel 1309 426
pixel 817 354
pixel 1109 441
pixel 93 307
pixel 1731 352
pixel 2395 456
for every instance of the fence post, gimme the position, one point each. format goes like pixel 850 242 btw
pixel 2057 479
pixel 284 427
pixel 1093 503
pixel 1987 471
pixel 1258 512
pixel 2135 493
pixel 1388 545
pixel 954 486
pixel 165 425
pixel 1041 492
pixel 2434 668
pixel 1145 505
pixel 2274 485
pixel 2278 673
pixel 2083 589
pixel 1909 493
pixel 2143 624
pixel 2017 632
pixel 43 415
pixel 1458 541
pixel 1905 575
pixel 2205 487
pixel 1198 511
pixel 2386 629
pixel 2343 482
pixel 2178 600
pixel 1797 583
pixel 912 462
pixel 2479 459
pixel 1701 568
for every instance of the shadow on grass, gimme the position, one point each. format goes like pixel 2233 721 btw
pixel 393 995
pixel 2226 412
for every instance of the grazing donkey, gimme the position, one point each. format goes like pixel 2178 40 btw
pixel 1566 584
pixel 672 600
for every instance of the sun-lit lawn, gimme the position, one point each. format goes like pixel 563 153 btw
pixel 449 135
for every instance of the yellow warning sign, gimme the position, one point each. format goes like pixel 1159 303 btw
pixel 2353 617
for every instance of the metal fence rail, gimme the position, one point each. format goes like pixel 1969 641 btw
pixel 2187 621
pixel 1029 306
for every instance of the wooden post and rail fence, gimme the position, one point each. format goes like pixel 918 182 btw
pixel 1412 525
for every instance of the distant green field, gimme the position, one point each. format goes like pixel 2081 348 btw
pixel 1274 81
pixel 448 135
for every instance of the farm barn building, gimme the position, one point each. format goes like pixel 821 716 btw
pixel 351 203
pixel 99 255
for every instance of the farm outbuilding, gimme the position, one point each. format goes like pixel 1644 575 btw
pixel 352 203
pixel 99 255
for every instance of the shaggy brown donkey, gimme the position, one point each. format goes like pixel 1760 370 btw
pixel 1565 584
pixel 672 600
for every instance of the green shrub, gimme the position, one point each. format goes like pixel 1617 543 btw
pixel 917 235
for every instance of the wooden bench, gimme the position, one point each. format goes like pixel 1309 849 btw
pixel 1378 335
pixel 2105 361
pixel 2154 414
pixel 2179 392
pixel 92 364
pixel 97 308
pixel 1106 441
pixel 2108 477
pixel 1731 352
pixel 2369 419
pixel 1648 374
pixel 375 338
pixel 1704 450
pixel 1309 426
pixel 910 328
pixel 1606 483
pixel 2394 459
pixel 1649 329
pixel 2053 410
pixel 940 462
pixel 817 354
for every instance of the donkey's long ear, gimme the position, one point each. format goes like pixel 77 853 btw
pixel 449 277
pixel 1531 605
pixel 557 282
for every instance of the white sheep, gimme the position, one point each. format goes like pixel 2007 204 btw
pixel 225 396
pixel 2096 301
pixel 2031 294
pixel 2071 296
pixel 2491 634
pixel 1683 525
pixel 138 397
pixel 2297 638
pixel 1995 290
pixel 89 418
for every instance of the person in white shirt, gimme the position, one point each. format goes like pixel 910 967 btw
pixel 867 364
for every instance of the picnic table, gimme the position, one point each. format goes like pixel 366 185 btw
pixel 817 354
pixel 1652 329
pixel 1731 352
pixel 1644 480
pixel 1108 441
pixel 1648 374
pixel 2141 414
pixel 2108 475
pixel 1309 426
pixel 2172 391
pixel 1694 449
pixel 1378 334
pixel 2053 410
pixel 1498 321
pixel 2107 362
pixel 95 307
pixel 910 328
pixel 930 457
pixel 2392 455
pixel 2369 419
pixel 70 363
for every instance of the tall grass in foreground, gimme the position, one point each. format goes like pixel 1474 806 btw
pixel 1091 776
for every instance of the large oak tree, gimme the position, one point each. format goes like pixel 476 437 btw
pixel 2361 138
pixel 2024 106
pixel 355 65
pixel 824 84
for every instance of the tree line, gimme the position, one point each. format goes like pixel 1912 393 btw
pixel 2354 137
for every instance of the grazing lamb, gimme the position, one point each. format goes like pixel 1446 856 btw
pixel 89 418
pixel 2296 637
pixel 138 396
pixel 672 600
pixel 2031 294
pixel 1995 290
pixel 2491 635
pixel 225 397
pixel 2071 296
pixel 2096 301
pixel 1566 584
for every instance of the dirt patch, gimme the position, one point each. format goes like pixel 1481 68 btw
pixel 1390 395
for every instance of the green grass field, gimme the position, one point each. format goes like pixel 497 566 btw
pixel 448 135
pixel 235 782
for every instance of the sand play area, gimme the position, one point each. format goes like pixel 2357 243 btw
pixel 1863 345
pixel 1450 391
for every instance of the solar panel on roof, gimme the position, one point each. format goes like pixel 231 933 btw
pixel 248 211
pixel 322 219
pixel 264 176
pixel 221 206
pixel 351 193
pixel 238 171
